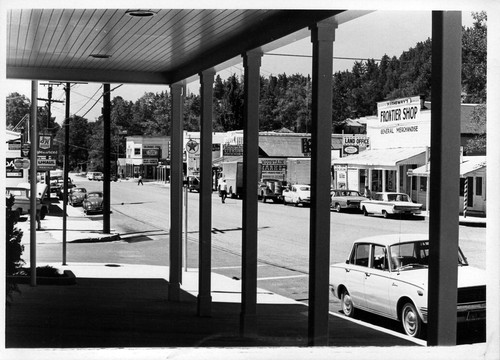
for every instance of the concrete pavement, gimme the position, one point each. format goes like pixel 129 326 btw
pixel 116 306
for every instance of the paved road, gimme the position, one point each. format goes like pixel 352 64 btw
pixel 141 214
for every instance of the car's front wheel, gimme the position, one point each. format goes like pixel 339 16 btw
pixel 365 213
pixel 347 305
pixel 337 208
pixel 412 324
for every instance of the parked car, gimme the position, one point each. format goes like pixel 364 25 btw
pixel 93 202
pixel 22 203
pixel 193 183
pixel 297 194
pixel 345 199
pixel 270 189
pixel 388 275
pixel 77 196
pixel 95 175
pixel 390 203
pixel 57 187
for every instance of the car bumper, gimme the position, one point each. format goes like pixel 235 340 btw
pixel 93 209
pixel 407 211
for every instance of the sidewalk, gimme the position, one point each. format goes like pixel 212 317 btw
pixel 79 227
pixel 118 306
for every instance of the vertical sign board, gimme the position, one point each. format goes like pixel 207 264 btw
pixel 46 153
pixel 341 175
pixel 193 156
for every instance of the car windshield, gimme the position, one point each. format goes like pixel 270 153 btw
pixel 352 193
pixel 398 197
pixel 304 188
pixel 414 255
pixel 94 195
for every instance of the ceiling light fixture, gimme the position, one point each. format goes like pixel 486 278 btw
pixel 140 13
pixel 100 56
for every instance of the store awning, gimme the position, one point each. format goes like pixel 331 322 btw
pixel 385 157
pixel 468 165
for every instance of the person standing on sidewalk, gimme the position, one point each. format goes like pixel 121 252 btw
pixel 140 180
pixel 223 190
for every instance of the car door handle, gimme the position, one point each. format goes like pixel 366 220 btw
pixel 367 274
pixel 347 270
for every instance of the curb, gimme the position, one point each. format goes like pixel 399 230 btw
pixel 111 238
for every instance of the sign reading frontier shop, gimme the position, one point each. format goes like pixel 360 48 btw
pixel 400 123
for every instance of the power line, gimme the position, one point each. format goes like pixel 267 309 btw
pixel 91 98
pixel 97 101
pixel 310 56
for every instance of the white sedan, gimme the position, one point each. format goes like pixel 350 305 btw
pixel 390 203
pixel 388 275
pixel 297 194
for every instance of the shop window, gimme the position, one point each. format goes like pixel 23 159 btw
pixel 479 186
pixel 462 186
pixel 423 184
pixel 137 151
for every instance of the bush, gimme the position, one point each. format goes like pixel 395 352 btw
pixel 14 249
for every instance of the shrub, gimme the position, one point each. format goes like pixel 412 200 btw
pixel 14 249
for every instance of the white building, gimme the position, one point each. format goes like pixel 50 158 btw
pixel 399 138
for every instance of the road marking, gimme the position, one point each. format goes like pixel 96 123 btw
pixel 282 277
pixel 381 329
pixel 233 267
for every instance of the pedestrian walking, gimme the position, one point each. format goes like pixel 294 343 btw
pixel 140 181
pixel 368 193
pixel 223 190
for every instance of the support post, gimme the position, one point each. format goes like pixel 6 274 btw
pixel 445 170
pixel 205 217
pixel 248 317
pixel 322 37
pixel 176 182
pixel 66 169
pixel 106 189
pixel 33 190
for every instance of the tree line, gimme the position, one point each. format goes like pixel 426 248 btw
pixel 285 100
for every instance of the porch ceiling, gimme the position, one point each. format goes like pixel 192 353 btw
pixel 170 46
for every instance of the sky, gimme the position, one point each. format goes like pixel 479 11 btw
pixel 371 36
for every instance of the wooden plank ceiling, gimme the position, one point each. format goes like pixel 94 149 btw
pixel 109 45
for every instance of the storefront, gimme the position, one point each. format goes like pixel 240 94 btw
pixel 472 185
pixel 397 138
pixel 143 154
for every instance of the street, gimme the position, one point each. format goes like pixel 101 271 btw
pixel 140 214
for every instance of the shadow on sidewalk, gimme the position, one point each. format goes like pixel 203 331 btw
pixel 110 313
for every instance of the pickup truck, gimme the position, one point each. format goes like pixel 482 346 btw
pixel 270 189
pixel 22 203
